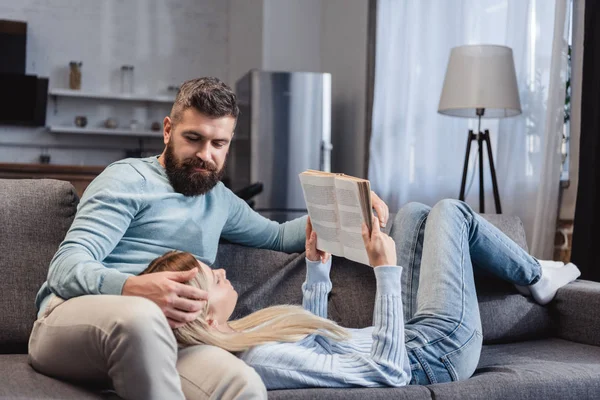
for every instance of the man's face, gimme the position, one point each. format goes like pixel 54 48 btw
pixel 196 150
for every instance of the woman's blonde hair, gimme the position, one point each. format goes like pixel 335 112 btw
pixel 285 323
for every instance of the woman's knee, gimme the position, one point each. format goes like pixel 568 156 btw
pixel 410 214
pixel 446 206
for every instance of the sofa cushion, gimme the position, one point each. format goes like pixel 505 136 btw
pixel 542 369
pixel 403 393
pixel 506 315
pixel 19 381
pixel 34 218
pixel 576 307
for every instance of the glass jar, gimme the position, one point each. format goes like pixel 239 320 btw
pixel 75 75
pixel 127 79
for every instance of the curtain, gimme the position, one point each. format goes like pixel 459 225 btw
pixel 587 215
pixel 417 154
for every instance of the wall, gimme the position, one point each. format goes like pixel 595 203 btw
pixel 344 53
pixel 292 35
pixel 168 41
pixel 318 36
pixel 245 37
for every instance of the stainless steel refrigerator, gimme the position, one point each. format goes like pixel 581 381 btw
pixel 284 128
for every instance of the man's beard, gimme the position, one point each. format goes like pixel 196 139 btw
pixel 185 179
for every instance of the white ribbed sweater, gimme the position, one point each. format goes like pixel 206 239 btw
pixel 373 356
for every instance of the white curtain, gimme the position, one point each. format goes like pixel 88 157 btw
pixel 417 154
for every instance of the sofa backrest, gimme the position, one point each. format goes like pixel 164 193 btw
pixel 263 278
pixel 506 315
pixel 35 215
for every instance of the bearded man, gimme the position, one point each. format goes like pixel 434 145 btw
pixel 98 321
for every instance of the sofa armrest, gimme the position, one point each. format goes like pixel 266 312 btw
pixel 577 310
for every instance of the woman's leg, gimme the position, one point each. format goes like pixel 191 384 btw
pixel 407 231
pixel 447 327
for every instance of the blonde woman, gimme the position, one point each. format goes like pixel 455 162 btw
pixel 294 347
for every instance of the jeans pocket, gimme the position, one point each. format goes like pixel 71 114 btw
pixel 462 362
pixel 417 375
pixel 422 373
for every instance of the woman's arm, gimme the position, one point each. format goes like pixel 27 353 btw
pixel 388 349
pixel 316 287
pixel 388 352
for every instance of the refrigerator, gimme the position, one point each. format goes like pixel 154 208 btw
pixel 283 129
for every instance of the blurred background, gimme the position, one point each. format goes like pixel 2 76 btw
pixel 349 86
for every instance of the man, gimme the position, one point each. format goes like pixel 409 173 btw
pixel 134 211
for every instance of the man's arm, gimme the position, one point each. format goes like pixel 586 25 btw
pixel 245 226
pixel 106 210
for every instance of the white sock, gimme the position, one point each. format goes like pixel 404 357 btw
pixel 551 264
pixel 553 278
pixel 524 290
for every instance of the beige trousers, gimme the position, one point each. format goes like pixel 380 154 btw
pixel 126 343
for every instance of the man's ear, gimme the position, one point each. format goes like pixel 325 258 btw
pixel 167 126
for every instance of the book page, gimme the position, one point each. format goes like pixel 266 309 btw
pixel 351 217
pixel 320 197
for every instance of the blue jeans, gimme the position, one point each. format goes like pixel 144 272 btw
pixel 438 248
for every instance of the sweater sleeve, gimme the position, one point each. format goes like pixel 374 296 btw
pixel 245 226
pixel 106 210
pixel 372 357
pixel 316 287
pixel 388 349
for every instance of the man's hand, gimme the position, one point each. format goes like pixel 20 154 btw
pixel 179 302
pixel 311 245
pixel 383 212
pixel 380 247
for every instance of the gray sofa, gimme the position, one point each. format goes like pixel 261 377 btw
pixel 530 352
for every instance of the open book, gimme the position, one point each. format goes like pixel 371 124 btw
pixel 337 205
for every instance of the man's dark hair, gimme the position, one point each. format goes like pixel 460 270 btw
pixel 209 96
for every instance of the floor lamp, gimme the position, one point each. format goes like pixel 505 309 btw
pixel 480 83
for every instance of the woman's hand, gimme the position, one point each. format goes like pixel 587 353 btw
pixel 380 247
pixel 383 213
pixel 311 245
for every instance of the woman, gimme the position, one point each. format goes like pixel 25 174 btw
pixel 293 347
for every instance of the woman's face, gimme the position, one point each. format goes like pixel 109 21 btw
pixel 222 296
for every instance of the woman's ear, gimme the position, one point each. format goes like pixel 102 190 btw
pixel 212 323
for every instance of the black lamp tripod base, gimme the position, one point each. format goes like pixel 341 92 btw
pixel 481 137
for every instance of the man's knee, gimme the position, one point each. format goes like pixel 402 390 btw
pixel 247 384
pixel 209 372
pixel 141 323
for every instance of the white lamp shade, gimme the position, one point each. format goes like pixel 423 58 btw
pixel 480 76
